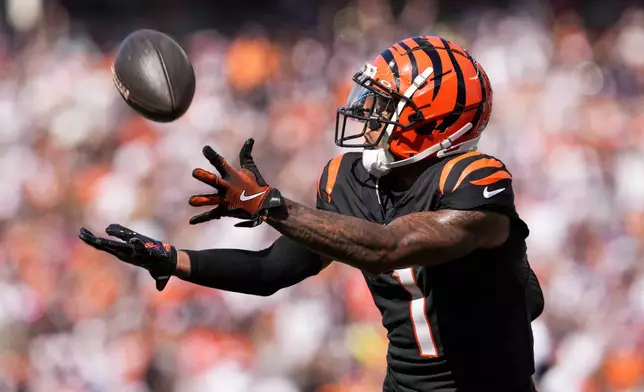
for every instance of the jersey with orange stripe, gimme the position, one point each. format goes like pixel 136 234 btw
pixel 463 325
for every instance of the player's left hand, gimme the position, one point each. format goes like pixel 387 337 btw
pixel 241 193
pixel 159 258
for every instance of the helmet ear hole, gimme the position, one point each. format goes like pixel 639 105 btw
pixel 426 128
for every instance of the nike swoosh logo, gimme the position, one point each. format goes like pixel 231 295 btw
pixel 243 196
pixel 487 194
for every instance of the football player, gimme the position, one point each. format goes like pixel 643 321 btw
pixel 429 220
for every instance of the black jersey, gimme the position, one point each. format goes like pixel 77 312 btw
pixel 463 325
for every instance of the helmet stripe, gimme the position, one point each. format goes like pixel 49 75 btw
pixel 430 51
pixel 479 111
pixel 391 62
pixel 412 59
pixel 459 105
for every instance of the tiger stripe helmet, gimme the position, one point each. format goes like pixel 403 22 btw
pixel 429 95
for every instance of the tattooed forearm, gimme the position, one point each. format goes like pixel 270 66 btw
pixel 428 238
pixel 354 241
pixel 424 238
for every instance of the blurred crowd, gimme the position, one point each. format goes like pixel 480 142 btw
pixel 568 121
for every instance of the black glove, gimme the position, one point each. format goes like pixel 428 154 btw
pixel 241 193
pixel 159 258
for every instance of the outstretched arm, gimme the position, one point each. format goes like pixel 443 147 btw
pixel 424 238
pixel 263 272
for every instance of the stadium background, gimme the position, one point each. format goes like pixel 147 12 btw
pixel 568 121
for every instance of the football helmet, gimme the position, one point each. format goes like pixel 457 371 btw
pixel 426 96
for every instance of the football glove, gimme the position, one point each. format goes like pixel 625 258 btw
pixel 159 258
pixel 241 194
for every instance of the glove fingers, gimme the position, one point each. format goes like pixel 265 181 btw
pixel 216 160
pixel 121 232
pixel 119 249
pixel 86 235
pixel 250 223
pixel 215 213
pixel 211 179
pixel 90 239
pixel 247 162
pixel 205 200
pixel 116 248
pixel 245 152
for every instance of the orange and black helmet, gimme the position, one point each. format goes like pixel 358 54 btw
pixel 428 95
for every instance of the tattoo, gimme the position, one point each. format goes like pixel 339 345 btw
pixel 346 239
pixel 424 238
pixel 436 237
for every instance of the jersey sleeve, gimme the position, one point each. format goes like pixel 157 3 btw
pixel 326 183
pixel 476 181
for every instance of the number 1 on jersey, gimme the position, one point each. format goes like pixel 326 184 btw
pixel 417 314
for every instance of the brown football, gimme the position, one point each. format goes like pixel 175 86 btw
pixel 154 75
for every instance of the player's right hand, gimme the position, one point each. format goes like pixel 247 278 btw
pixel 241 193
pixel 159 258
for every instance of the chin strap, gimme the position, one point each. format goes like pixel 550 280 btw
pixel 379 162
pixel 469 145
pixel 376 161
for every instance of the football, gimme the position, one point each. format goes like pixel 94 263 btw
pixel 154 75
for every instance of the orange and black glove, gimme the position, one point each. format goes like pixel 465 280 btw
pixel 241 194
pixel 159 258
